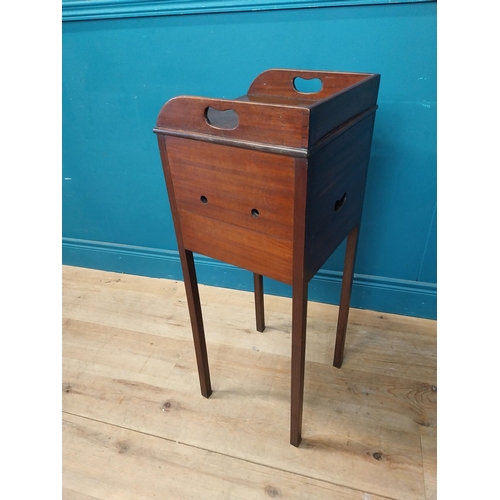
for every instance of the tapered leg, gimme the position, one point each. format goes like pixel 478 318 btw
pixel 299 321
pixel 193 299
pixel 345 296
pixel 258 290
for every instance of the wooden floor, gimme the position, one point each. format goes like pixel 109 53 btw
pixel 135 425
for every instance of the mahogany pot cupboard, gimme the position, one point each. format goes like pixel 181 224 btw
pixel 272 182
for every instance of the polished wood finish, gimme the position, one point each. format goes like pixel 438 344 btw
pixel 345 296
pixel 279 83
pixel 216 189
pixel 337 170
pixel 299 303
pixel 258 287
pixel 194 305
pixel 271 182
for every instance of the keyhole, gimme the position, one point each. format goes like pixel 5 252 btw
pixel 204 199
pixel 255 212
pixel 339 203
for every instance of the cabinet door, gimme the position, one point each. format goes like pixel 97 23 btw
pixel 235 204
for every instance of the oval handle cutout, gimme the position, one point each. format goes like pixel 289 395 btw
pixel 226 119
pixel 340 203
pixel 307 85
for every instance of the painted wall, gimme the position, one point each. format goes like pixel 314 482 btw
pixel 117 73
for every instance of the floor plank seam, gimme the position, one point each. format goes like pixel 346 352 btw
pixel 230 456
pixel 423 467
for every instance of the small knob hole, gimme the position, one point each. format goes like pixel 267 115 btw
pixel 255 212
pixel 204 199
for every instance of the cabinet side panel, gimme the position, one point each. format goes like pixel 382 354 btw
pixel 336 187
pixel 332 113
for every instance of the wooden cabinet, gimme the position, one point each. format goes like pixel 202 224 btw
pixel 271 182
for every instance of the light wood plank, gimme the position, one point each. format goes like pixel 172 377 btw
pixel 372 337
pixel 68 494
pixel 429 453
pixel 249 420
pixel 128 360
pixel 102 461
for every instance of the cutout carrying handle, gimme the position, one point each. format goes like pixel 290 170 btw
pixel 233 119
pixel 305 84
pixel 226 119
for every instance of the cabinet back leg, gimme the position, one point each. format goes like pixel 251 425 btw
pixel 345 296
pixel 258 289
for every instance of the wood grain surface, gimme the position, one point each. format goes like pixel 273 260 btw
pixel 262 185
pixel 136 426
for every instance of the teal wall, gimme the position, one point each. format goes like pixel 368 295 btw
pixel 118 72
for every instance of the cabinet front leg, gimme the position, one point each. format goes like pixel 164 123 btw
pixel 194 305
pixel 299 322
